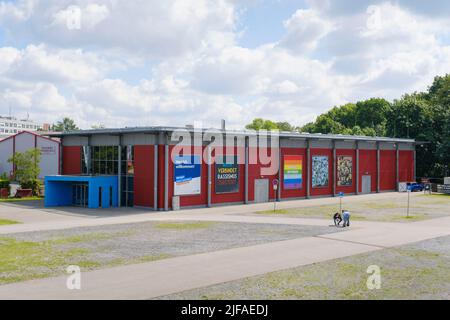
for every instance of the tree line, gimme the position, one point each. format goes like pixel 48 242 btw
pixel 423 116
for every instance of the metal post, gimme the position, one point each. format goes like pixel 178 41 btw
pixel 407 210
pixel 166 177
pixel 246 170
pixel 274 199
pixel 397 176
pixel 155 177
pixel 209 175
pixel 279 169
pixel 334 167
pixel 378 167
pixel 357 167
pixel 308 167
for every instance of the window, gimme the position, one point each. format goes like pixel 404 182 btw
pixel 100 160
pixel 127 176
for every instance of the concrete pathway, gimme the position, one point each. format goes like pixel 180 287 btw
pixel 41 219
pixel 153 279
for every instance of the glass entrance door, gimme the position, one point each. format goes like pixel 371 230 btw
pixel 80 195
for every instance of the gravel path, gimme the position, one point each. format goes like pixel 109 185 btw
pixel 105 246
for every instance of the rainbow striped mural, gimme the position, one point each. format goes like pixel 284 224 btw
pixel 292 172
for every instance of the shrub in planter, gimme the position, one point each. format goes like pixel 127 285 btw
pixel 4 188
pixel 34 185
pixel 27 169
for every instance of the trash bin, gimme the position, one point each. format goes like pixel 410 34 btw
pixel 176 203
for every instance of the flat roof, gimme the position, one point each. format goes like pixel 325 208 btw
pixel 283 134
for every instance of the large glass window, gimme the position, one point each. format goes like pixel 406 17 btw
pixel 127 176
pixel 103 160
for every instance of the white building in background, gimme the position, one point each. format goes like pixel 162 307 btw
pixel 23 141
pixel 10 126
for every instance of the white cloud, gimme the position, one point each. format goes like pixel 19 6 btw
pixel 87 17
pixel 39 63
pixel 304 29
pixel 196 70
pixel 151 28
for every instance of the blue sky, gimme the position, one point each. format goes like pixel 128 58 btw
pixel 150 62
pixel 262 22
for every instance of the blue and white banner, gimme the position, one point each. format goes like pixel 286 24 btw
pixel 187 175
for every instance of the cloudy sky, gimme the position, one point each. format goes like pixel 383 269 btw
pixel 153 62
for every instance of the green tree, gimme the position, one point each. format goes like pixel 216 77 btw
pixel 285 126
pixel 371 113
pixel 66 124
pixel 27 168
pixel 98 126
pixel 439 98
pixel 261 124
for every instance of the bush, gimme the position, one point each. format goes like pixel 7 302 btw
pixel 34 185
pixel 4 183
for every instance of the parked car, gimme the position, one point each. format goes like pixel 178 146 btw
pixel 414 186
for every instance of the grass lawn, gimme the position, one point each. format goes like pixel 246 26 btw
pixel 21 199
pixel 416 271
pixel 30 255
pixel 4 222
pixel 26 260
pixel 422 207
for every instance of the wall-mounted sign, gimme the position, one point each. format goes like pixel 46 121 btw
pixel 320 171
pixel 344 171
pixel 292 172
pixel 227 176
pixel 48 150
pixel 187 175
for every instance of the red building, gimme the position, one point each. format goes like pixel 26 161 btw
pixel 154 165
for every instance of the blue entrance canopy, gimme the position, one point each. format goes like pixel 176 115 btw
pixel 89 191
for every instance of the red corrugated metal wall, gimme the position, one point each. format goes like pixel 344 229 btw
pixel 368 166
pixel 143 175
pixel 72 160
pixel 387 170
pixel 406 165
pixel 144 164
pixel 351 153
pixel 161 161
pixel 254 172
pixel 328 190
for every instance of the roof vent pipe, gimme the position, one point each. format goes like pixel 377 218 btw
pixel 222 124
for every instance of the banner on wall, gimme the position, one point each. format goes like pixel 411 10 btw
pixel 344 171
pixel 227 176
pixel 320 171
pixel 187 175
pixel 292 172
